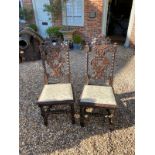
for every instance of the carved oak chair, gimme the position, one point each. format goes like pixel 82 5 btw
pixel 98 91
pixel 55 60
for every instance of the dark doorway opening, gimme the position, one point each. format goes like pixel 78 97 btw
pixel 118 19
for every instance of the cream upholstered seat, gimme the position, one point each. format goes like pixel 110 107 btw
pixel 99 95
pixel 56 92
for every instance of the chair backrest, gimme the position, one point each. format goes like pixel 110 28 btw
pixel 100 61
pixel 55 60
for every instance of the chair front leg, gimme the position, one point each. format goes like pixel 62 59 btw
pixel 111 113
pixel 72 113
pixel 82 115
pixel 44 114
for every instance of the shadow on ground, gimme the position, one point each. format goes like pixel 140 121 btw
pixel 125 118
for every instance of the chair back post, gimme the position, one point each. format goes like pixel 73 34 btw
pixel 68 65
pixel 87 50
pixel 43 57
pixel 113 63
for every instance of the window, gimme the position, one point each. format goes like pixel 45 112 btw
pixel 73 13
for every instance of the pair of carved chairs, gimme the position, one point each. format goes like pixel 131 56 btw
pixel 56 64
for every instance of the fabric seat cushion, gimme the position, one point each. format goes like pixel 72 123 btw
pixel 56 92
pixel 100 95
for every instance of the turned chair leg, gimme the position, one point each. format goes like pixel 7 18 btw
pixel 81 116
pixel 72 114
pixel 111 113
pixel 45 120
pixel 44 114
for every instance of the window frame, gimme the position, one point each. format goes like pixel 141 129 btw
pixel 64 15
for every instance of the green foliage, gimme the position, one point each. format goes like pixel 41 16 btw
pixel 55 9
pixel 77 39
pixel 54 32
pixel 21 13
pixel 25 13
pixel 33 26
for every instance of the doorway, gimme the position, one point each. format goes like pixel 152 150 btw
pixel 118 16
pixel 42 18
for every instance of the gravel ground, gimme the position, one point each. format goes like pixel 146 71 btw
pixel 61 137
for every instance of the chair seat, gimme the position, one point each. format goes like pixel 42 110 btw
pixel 56 92
pixel 98 95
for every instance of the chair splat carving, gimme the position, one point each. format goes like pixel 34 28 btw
pixel 103 57
pixel 55 59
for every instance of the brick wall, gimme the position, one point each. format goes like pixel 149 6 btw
pixel 28 5
pixel 91 25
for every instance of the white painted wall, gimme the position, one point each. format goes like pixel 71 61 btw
pixel 104 16
pixel 131 23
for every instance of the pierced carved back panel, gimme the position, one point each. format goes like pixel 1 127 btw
pixel 100 61
pixel 55 59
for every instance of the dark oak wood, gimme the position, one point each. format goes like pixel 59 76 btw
pixel 55 60
pixel 82 116
pixel 100 55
